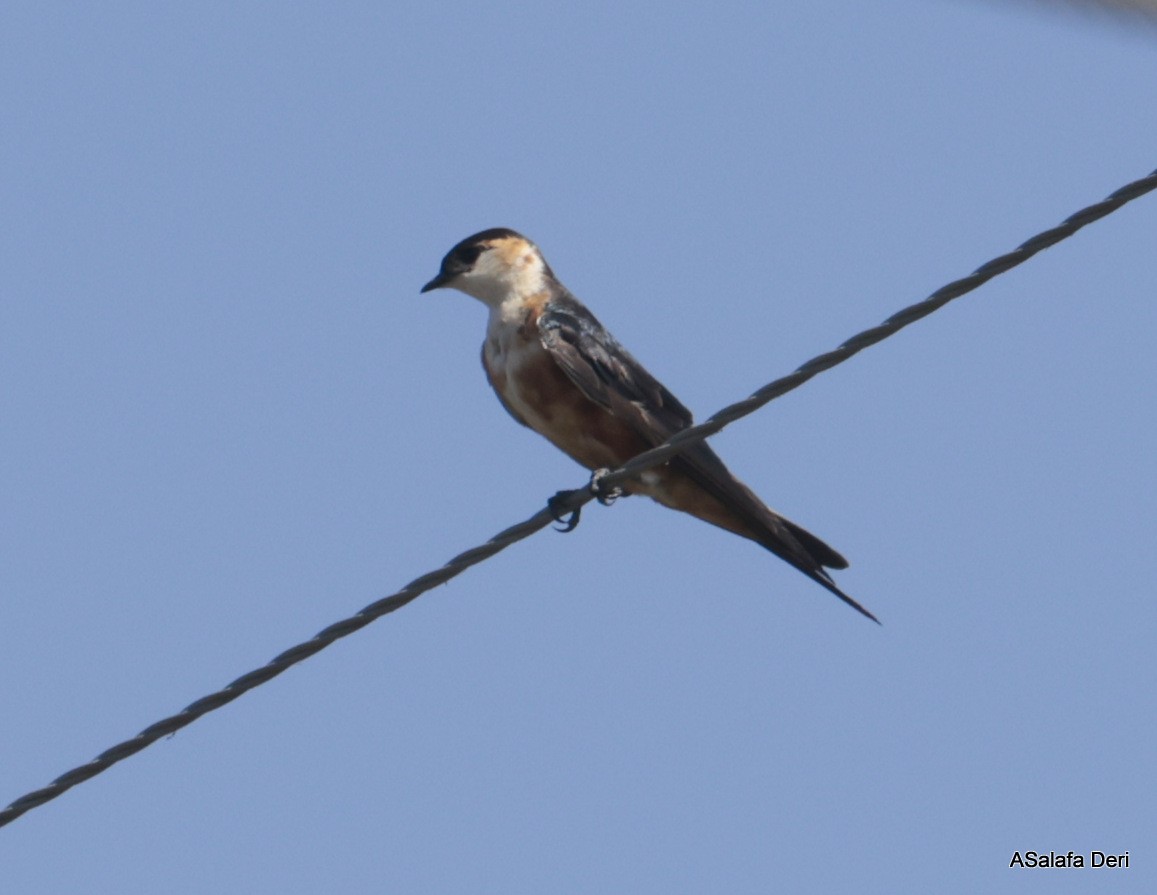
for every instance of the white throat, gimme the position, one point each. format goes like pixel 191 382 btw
pixel 502 283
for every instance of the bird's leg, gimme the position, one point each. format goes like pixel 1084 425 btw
pixel 568 520
pixel 605 496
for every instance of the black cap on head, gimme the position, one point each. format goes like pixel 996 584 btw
pixel 462 257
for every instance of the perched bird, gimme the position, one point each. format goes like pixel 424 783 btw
pixel 559 372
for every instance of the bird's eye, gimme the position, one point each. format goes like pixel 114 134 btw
pixel 469 254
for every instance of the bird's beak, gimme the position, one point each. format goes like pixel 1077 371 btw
pixel 438 282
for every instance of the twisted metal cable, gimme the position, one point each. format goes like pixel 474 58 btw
pixel 576 499
pixel 891 326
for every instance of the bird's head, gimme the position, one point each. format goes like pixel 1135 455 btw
pixel 493 266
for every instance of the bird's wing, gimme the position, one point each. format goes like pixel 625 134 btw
pixel 608 375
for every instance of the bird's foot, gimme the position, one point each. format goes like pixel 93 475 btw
pixel 605 496
pixel 568 519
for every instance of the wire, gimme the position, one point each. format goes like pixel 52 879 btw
pixel 576 499
pixel 889 327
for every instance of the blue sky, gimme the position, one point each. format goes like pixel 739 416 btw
pixel 229 419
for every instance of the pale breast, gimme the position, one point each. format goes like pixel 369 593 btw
pixel 540 395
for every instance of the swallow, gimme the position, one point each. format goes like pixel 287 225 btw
pixel 558 371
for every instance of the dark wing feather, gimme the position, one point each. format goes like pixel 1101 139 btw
pixel 608 375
